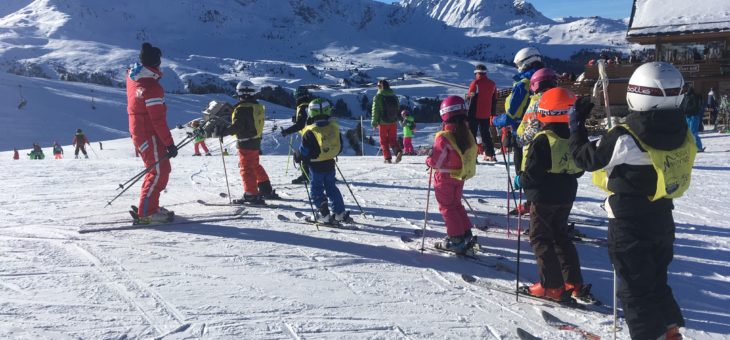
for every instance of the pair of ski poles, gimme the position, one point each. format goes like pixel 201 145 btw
pixel 129 183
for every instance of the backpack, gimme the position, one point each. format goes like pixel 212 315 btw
pixel 391 108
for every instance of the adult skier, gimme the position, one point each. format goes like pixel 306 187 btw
pixel 643 164
pixel 409 126
pixel 321 143
pixel 80 141
pixel 385 112
pixel 550 179
pixel 199 135
pixel 482 98
pixel 151 136
pixel 453 161
pixel 528 61
pixel 57 151
pixel 300 119
pixel 247 123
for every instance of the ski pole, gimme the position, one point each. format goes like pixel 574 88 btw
pixel 425 213
pixel 309 197
pixel 92 150
pixel 615 309
pixel 225 171
pixel 348 188
pixel 519 246
pixel 288 156
pixel 470 209
pixel 182 143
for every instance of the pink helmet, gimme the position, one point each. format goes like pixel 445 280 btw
pixel 543 74
pixel 405 113
pixel 452 106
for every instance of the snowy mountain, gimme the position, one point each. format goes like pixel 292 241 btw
pixel 491 15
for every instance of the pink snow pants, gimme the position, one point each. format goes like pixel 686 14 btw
pixel 448 195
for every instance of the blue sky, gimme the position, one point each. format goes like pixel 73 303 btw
pixel 617 9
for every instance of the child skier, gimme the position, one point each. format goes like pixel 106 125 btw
pixel 321 143
pixel 199 135
pixel 37 152
pixel 16 155
pixel 57 151
pixel 643 165
pixel 543 80
pixel 247 123
pixel 80 142
pixel 453 160
pixel 549 178
pixel 409 127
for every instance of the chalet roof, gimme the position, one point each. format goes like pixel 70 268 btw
pixel 671 17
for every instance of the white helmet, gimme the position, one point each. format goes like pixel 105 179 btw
pixel 244 87
pixel 655 86
pixel 526 56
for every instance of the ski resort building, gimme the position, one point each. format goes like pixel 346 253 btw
pixel 692 35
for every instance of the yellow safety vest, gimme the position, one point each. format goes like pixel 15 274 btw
pixel 521 109
pixel 560 157
pixel 258 117
pixel 328 139
pixel 468 158
pixel 673 168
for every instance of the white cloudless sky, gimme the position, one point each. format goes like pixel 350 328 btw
pixel 616 9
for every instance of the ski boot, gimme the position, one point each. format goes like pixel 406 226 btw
pixel 208 154
pixel 398 156
pixel 323 214
pixel 673 333
pixel 266 191
pixel 554 294
pixel 159 217
pixel 343 217
pixel 581 293
pixel 300 180
pixel 456 244
pixel 167 212
pixel 387 161
pixel 196 154
pixel 250 199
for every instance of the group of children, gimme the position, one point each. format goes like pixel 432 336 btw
pixel 643 164
pixel 79 142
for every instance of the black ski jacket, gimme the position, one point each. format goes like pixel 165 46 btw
pixel 540 185
pixel 631 177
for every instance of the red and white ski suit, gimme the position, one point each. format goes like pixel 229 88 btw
pixel 448 190
pixel 150 134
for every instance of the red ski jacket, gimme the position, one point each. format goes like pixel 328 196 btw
pixel 486 93
pixel 146 105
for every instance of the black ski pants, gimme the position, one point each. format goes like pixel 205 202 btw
pixel 557 258
pixel 641 249
pixel 483 126
pixel 81 147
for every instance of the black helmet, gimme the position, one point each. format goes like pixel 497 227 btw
pixel 79 131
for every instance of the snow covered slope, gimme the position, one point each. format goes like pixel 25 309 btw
pixel 492 15
pixel 263 278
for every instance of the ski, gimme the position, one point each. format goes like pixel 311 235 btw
pixel 234 204
pixel 132 226
pixel 525 335
pixel 471 256
pixel 572 219
pixel 554 322
pixel 348 225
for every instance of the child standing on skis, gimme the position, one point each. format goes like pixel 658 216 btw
pixel 409 126
pixel 199 135
pixel 453 160
pixel 321 143
pixel 549 178
pixel 57 151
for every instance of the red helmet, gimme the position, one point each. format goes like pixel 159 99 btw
pixel 452 106
pixel 537 82
pixel 555 104
pixel 405 113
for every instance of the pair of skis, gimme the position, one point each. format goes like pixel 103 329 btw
pixel 554 322
pixel 119 225
pixel 348 224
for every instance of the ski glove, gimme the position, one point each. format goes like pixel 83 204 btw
pixel 579 113
pixel 516 185
pixel 283 133
pixel 172 151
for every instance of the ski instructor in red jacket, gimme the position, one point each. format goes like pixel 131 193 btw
pixel 150 134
